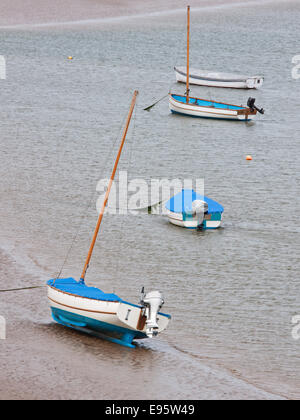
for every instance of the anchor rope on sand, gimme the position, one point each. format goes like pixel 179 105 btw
pixel 20 288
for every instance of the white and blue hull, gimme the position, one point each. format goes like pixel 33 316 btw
pixel 119 322
pixel 177 219
pixel 192 109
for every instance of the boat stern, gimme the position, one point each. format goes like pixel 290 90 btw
pixel 254 82
pixel 246 114
pixel 145 319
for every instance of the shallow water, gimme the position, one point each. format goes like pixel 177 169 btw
pixel 232 292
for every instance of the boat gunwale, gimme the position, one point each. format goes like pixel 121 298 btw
pixel 244 108
pixel 84 297
pixel 182 212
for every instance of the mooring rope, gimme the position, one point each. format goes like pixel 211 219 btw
pixel 151 106
pixel 21 288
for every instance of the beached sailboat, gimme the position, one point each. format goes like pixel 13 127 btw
pixel 192 210
pixel 106 315
pixel 196 107
pixel 218 79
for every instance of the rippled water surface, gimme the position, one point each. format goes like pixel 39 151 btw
pixel 233 292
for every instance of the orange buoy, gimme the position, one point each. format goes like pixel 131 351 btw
pixel 248 157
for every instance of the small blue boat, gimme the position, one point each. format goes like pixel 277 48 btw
pixel 192 210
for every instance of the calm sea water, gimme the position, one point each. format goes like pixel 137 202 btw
pixel 233 292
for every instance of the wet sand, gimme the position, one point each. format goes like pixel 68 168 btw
pixel 43 360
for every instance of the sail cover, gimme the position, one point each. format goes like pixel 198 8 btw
pixel 182 202
pixel 71 286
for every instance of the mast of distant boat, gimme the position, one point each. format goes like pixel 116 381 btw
pixel 86 266
pixel 188 56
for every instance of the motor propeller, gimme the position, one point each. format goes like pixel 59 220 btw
pixel 252 106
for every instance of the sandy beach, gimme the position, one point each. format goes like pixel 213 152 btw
pixel 237 287
pixel 41 360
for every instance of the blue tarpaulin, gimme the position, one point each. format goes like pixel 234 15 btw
pixel 73 287
pixel 182 202
pixel 203 102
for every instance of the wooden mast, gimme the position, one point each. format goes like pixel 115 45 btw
pixel 86 266
pixel 188 57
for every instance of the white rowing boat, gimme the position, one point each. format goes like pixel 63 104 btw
pixel 217 79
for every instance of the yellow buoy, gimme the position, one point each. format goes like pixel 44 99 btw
pixel 248 157
pixel 70 57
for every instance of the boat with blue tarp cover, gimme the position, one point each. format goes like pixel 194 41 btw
pixel 192 210
pixel 106 315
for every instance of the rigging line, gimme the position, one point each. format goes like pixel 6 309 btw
pixel 177 53
pixel 148 108
pixel 21 288
pixel 84 215
pixel 174 65
pixel 182 51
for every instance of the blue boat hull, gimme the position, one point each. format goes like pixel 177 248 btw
pixel 99 329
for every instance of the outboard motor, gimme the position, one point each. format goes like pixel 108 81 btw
pixel 199 209
pixel 152 303
pixel 252 106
